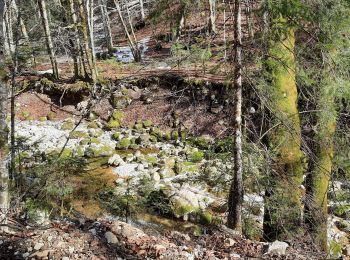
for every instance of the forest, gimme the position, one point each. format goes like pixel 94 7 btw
pixel 174 129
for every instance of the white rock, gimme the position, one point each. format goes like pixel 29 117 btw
pixel 127 170
pixel 71 250
pixel 38 246
pixel 65 258
pixel 25 255
pixel 115 160
pixel 156 177
pixel 111 238
pixel 93 231
pixel 278 247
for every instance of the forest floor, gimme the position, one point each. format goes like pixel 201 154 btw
pixel 101 239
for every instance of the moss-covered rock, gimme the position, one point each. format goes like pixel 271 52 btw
pixel 93 125
pixel 147 123
pixel 133 146
pixel 116 136
pixel 138 127
pixel 120 101
pixel 342 211
pixel 51 115
pixel 175 135
pixel 98 151
pixel 167 136
pixel 116 119
pixel 124 143
pixel 25 115
pixel 42 118
pixel 67 125
pixel 183 135
pixel 156 132
pixel 66 153
pixel 118 115
pixel 78 135
pixel 79 151
pixel 84 141
pixel 197 156
pixel 95 140
pixel 205 218
pixel 113 124
pixel 151 159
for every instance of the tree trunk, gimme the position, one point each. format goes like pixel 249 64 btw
pixel 225 42
pixel 84 24
pixel 79 67
pixel 132 42
pixel 283 205
pixel 106 25
pixel 236 192
pixel 7 20
pixel 49 43
pixel 23 30
pixel 180 23
pixel 90 15
pixel 4 196
pixel 212 17
pixel 316 208
pixel 142 10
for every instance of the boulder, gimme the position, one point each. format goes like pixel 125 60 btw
pixel 111 238
pixel 116 160
pixel 127 231
pixel 277 247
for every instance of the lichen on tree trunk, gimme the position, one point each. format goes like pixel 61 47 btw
pixel 318 180
pixel 283 206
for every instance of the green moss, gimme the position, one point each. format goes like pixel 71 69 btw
pixel 78 135
pixel 96 133
pixel 101 151
pixel 183 135
pixel 175 135
pixel 167 136
pixel 284 139
pixel 80 151
pixel 113 124
pixel 151 159
pixel 205 218
pixel 116 136
pixel 66 153
pixel 342 211
pixel 93 125
pixel 124 143
pixel 42 118
pixel 188 167
pixel 116 119
pixel 197 156
pixel 120 102
pixel 118 115
pixel 138 127
pixel 202 142
pixel 25 114
pixel 181 210
pixel 95 140
pixel 67 125
pixel 85 141
pixel 147 123
pixel 153 139
pixel 51 115
pixel 134 146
